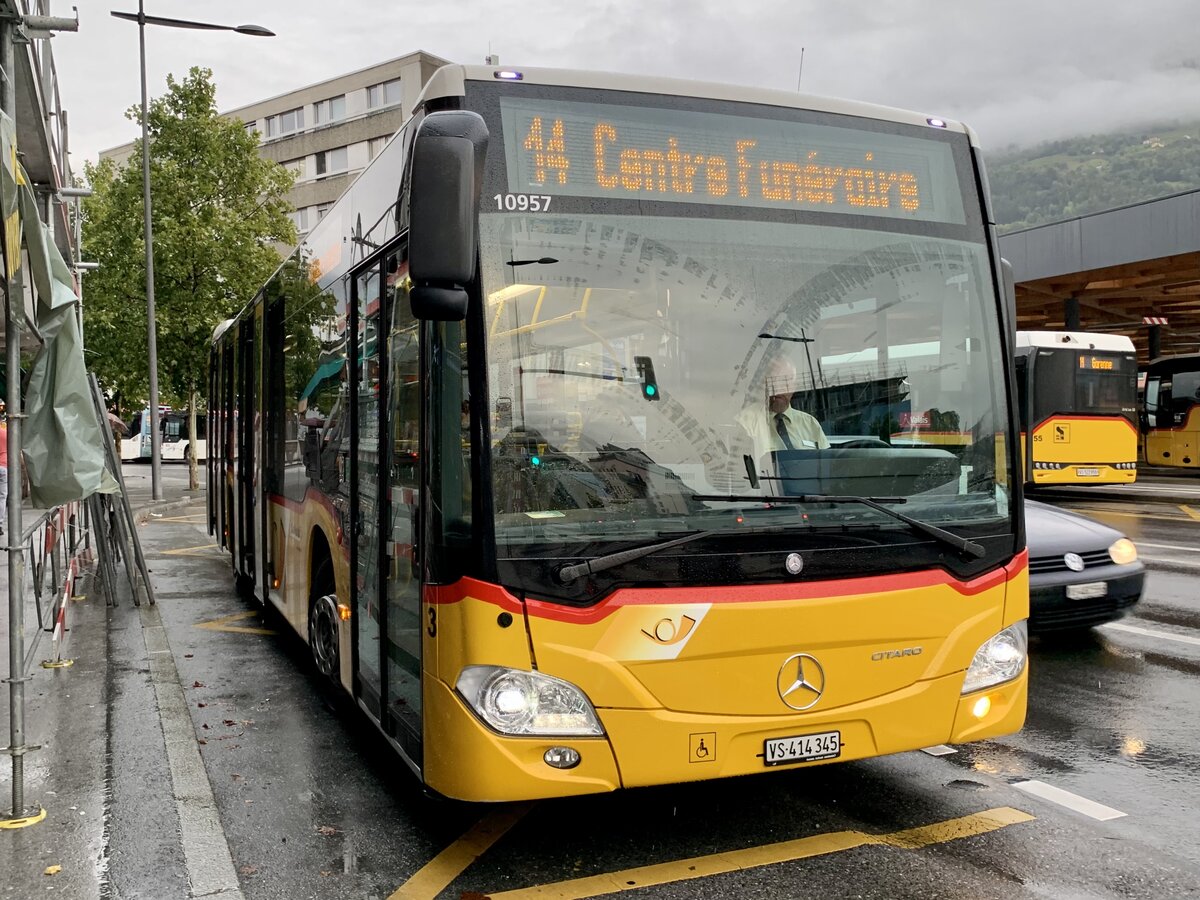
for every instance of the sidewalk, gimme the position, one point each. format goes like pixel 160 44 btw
pixel 68 715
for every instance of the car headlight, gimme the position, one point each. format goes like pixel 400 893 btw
pixel 1000 659
pixel 1123 552
pixel 517 702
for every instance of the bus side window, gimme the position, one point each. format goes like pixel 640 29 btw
pixel 1185 394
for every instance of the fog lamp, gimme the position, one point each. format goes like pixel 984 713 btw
pixel 982 707
pixel 561 757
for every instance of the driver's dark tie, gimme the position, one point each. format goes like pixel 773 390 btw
pixel 781 427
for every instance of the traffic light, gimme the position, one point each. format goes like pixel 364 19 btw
pixel 645 370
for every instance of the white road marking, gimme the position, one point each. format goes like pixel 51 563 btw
pixel 1149 632
pixel 1166 561
pixel 939 750
pixel 1191 549
pixel 1070 801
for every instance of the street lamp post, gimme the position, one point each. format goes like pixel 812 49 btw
pixel 151 331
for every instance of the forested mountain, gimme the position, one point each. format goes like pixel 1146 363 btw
pixel 1067 178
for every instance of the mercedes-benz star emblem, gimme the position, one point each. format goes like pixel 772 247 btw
pixel 1073 561
pixel 801 681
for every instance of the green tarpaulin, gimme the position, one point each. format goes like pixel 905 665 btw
pixel 63 443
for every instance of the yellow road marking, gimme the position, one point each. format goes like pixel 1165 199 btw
pixel 191 551
pixel 755 857
pixel 1191 512
pixel 436 875
pixel 222 624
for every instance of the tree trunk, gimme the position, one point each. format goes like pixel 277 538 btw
pixel 193 466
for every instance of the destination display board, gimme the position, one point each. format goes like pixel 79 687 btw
pixel 566 148
pixel 1095 363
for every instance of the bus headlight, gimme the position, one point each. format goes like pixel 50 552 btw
pixel 1123 552
pixel 1000 659
pixel 516 702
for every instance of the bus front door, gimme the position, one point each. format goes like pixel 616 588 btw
pixel 386 493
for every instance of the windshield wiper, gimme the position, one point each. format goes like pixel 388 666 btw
pixel 946 537
pixel 568 574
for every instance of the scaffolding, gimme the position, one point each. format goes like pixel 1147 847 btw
pixel 76 535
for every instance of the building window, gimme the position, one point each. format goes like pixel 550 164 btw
pixel 331 110
pixel 297 167
pixel 330 162
pixel 251 127
pixel 299 218
pixel 286 123
pixel 322 209
pixel 384 94
pixel 375 146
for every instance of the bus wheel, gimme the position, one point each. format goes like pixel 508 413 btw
pixel 323 635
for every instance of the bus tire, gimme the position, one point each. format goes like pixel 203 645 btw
pixel 244 585
pixel 323 637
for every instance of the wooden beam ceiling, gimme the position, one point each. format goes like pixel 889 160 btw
pixel 1115 299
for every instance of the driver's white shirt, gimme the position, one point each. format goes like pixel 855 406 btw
pixel 803 430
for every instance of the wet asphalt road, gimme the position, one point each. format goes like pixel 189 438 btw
pixel 313 804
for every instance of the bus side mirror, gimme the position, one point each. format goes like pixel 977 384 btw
pixel 446 177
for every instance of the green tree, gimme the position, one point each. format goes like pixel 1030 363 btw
pixel 218 209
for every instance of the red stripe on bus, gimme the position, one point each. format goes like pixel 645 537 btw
pixel 762 593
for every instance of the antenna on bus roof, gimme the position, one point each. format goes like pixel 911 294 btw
pixel 801 73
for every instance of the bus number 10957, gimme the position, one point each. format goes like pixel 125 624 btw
pixel 522 202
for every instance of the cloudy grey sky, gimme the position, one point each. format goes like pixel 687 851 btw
pixel 1019 72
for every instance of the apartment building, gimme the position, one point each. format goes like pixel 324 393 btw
pixel 328 132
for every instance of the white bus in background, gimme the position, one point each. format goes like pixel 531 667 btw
pixel 173 443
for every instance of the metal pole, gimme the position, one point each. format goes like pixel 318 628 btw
pixel 151 331
pixel 13 311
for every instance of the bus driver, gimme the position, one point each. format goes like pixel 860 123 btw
pixel 774 424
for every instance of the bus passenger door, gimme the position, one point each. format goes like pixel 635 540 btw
pixel 386 493
pixel 244 406
pixel 405 625
pixel 366 545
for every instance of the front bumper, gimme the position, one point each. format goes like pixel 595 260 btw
pixel 1051 610
pixel 643 747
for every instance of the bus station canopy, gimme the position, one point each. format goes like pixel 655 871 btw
pixel 1127 268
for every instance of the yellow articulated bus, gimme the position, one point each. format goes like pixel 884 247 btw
pixel 1171 414
pixel 516 439
pixel 1078 407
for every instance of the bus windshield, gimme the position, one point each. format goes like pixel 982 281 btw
pixel 1070 380
pixel 645 359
